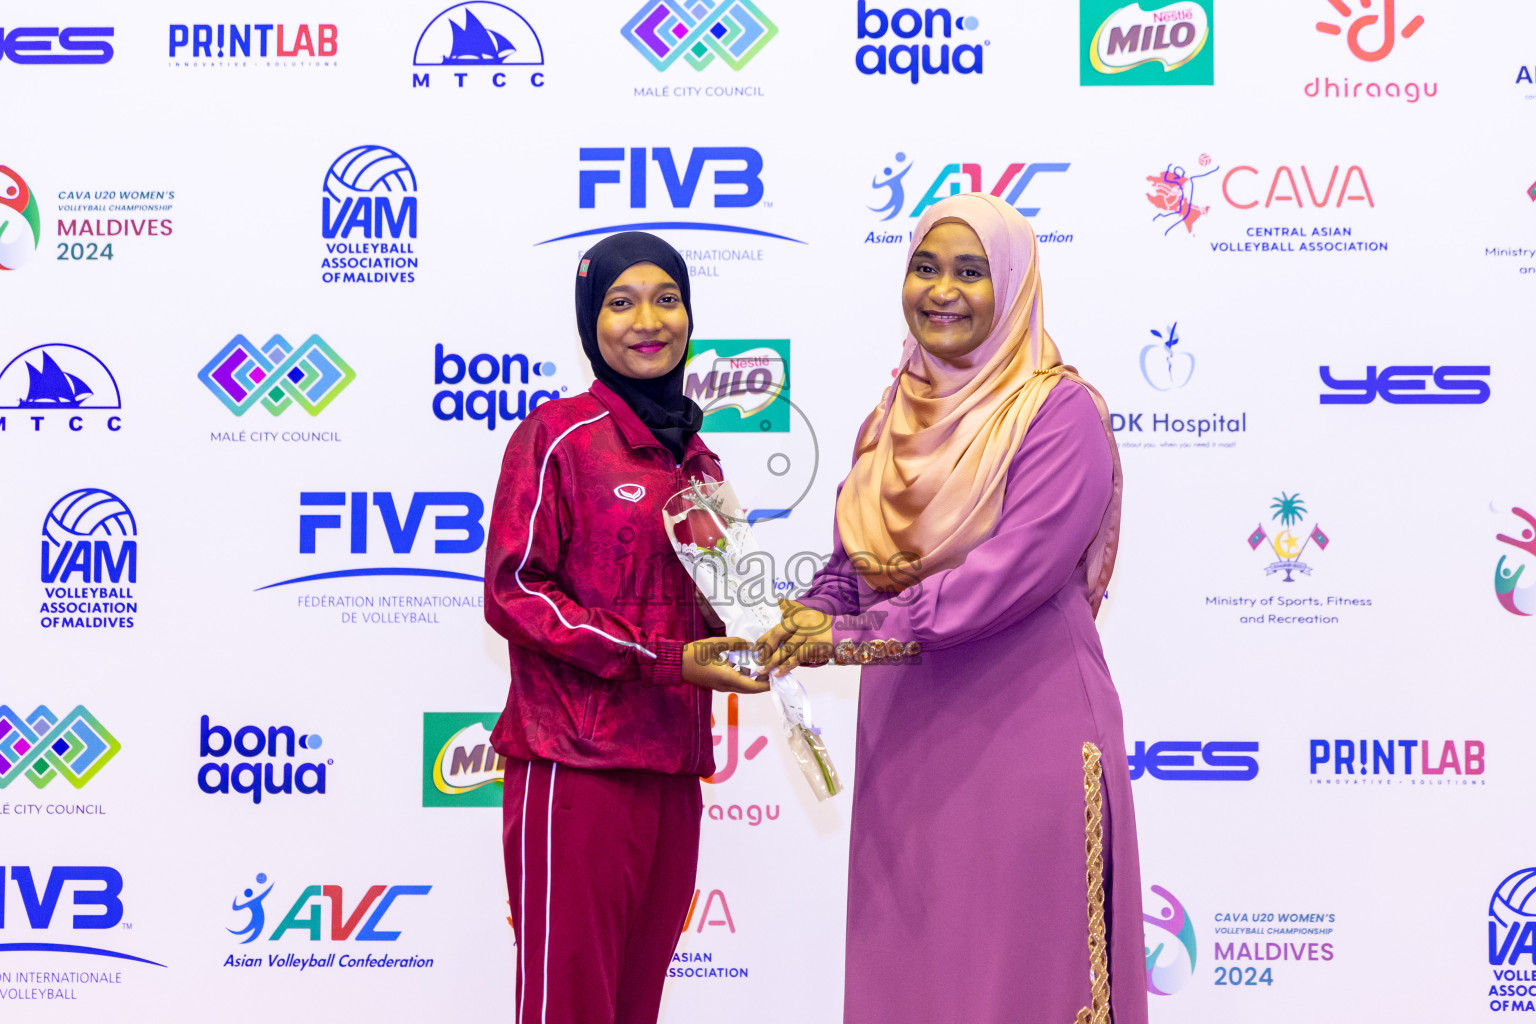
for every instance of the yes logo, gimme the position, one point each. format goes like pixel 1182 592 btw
pixel 1407 385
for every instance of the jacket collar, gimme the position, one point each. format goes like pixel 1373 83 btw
pixel 635 433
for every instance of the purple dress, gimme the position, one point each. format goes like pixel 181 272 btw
pixel 967 890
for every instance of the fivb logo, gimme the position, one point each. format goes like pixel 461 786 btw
pixel 40 903
pixel 253 777
pixel 491 403
pixel 699 31
pixel 42 746
pixel 344 926
pixel 460 769
pixel 915 59
pixel 276 375
pixel 743 386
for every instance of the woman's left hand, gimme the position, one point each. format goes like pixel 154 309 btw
pixel 802 637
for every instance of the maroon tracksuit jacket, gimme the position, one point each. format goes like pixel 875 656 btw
pixel 606 741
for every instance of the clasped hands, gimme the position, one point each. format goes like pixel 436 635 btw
pixel 802 637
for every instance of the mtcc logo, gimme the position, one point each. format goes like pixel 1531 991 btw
pixel 1170 946
pixel 1164 368
pixel 343 925
pixel 476 35
pixel 699 31
pixel 58 378
pixel 42 747
pixel 20 225
pixel 1288 511
pixel 277 375
pixel 1514 598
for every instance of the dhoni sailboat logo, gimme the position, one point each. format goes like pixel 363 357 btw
pixel 57 379
pixel 479 34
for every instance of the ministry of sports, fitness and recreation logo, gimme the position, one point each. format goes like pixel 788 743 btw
pixel 1170 946
pixel 20 225
pixel 277 375
pixel 1288 510
pixel 699 31
pixel 56 388
pixel 90 560
pixel 1123 44
pixel 470 38
pixel 1514 598
pixel 459 768
pixel 41 746
pixel 367 210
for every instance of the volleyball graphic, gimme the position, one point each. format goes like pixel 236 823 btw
pixel 20 225
pixel 89 512
pixel 364 169
pixel 1514 900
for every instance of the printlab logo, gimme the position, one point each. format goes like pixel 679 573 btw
pixel 56 45
pixel 467 38
pixel 1122 44
pixel 459 767
pixel 369 194
pixel 1170 946
pixel 1174 196
pixel 1408 385
pixel 364 923
pixel 1288 511
pixel 20 225
pixel 743 386
pixel 276 375
pixel 911 60
pixel 504 399
pixel 248 45
pixel 40 891
pixel 1514 598
pixel 1381 757
pixel 1174 761
pixel 699 31
pixel 63 382
pixel 1163 368
pixel 90 541
pixel 219 773
pixel 42 746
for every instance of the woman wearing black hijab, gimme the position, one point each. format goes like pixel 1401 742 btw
pixel 607 723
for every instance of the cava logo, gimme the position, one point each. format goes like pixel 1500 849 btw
pixel 1170 946
pixel 1173 195
pixel 470 38
pixel 1126 45
pixel 263 753
pixel 90 555
pixel 743 386
pixel 58 385
pixel 42 746
pixel 369 196
pixel 1289 511
pixel 1512 597
pixel 20 225
pixel 276 375
pixel 459 768
pixel 699 31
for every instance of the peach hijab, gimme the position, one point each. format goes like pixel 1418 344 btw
pixel 932 459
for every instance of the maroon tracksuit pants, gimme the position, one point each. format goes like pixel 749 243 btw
pixel 600 874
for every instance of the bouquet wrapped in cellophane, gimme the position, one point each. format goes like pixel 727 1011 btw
pixel 710 533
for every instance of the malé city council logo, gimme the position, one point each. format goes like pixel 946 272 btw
pixel 1514 598
pixel 20 225
pixel 42 746
pixel 699 31
pixel 1289 511
pixel 276 375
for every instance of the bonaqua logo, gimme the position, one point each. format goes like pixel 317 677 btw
pixel 42 746
pixel 699 31
pixel 1288 510
pixel 277 746
pixel 1512 597
pixel 503 400
pixel 20 225
pixel 277 375
pixel 1170 946
pixel 935 26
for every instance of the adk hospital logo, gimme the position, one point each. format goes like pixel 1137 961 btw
pixel 90 562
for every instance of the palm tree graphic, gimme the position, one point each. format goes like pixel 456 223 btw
pixel 1288 509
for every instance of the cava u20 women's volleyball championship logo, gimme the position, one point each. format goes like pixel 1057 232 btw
pixel 1289 510
pixel 20 226
pixel 1517 600
pixel 1170 946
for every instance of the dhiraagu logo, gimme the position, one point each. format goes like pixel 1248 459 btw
pixel 1126 44
pixel 459 768
pixel 742 386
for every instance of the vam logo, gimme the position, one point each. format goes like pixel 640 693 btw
pixel 42 747
pixel 743 386
pixel 90 549
pixel 912 60
pixel 1512 921
pixel 699 31
pixel 58 381
pixel 1512 597
pixel 20 225
pixel 369 193
pixel 276 375
pixel 1126 45
pixel 459 767
pixel 469 37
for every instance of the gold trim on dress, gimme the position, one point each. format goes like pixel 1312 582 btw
pixel 1097 1010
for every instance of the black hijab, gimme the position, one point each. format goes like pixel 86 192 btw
pixel 659 402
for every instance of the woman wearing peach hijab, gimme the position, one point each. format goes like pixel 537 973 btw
pixel 980 520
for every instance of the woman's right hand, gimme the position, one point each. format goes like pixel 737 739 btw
pixel 703 666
